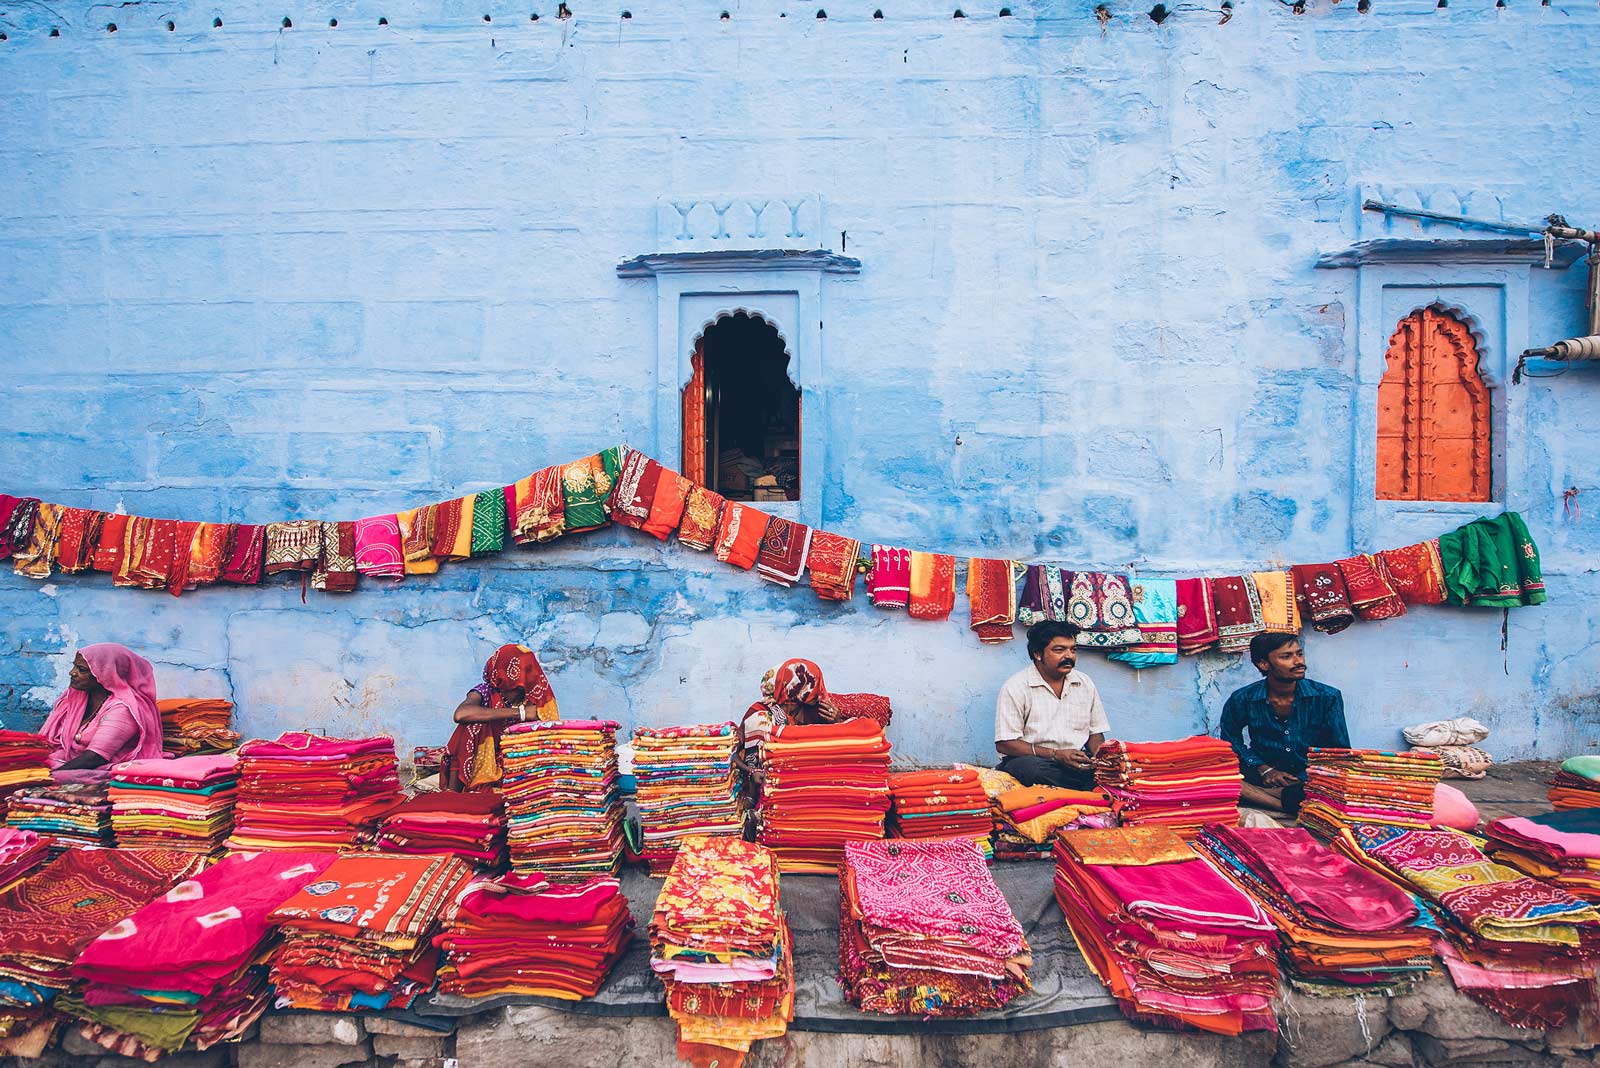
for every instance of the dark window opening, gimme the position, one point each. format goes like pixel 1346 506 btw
pixel 748 425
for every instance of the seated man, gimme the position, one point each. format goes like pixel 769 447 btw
pixel 1286 714
pixel 1048 719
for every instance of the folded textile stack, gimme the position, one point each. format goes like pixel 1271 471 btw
pixel 686 784
pixel 924 931
pixel 360 936
pixel 191 725
pixel 522 934
pixel 1355 785
pixel 1522 948
pixel 1171 937
pixel 1180 784
pixel 563 805
pixel 720 944
pixel 63 815
pixel 941 804
pixel 186 968
pixel 303 791
pixel 1342 928
pixel 1577 784
pixel 174 803
pixel 1562 847
pixel 470 826
pixel 22 763
pixel 20 852
pixel 58 910
pixel 1030 817
pixel 826 784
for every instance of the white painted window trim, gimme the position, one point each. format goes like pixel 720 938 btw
pixel 693 291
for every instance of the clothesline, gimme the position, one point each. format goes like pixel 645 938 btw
pixel 1143 621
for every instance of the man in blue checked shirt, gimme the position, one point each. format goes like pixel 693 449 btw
pixel 1285 714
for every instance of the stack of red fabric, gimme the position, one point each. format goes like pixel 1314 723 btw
pixel 947 803
pixel 522 934
pixel 1180 784
pixel 22 763
pixel 470 826
pixel 1174 940
pixel 827 784
pixel 1577 784
pixel 361 935
pixel 308 792
pixel 1345 786
pixel 185 969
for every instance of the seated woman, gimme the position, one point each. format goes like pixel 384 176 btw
pixel 514 689
pixel 107 715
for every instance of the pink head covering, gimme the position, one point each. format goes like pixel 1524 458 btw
pixel 131 680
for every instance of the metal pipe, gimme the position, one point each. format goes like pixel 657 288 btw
pixel 1459 220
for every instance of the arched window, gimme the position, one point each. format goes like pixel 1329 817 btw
pixel 741 413
pixel 1433 413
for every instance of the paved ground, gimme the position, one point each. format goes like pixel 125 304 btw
pixel 1517 789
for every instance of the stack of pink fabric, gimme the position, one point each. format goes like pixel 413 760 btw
pixel 20 852
pixel 304 791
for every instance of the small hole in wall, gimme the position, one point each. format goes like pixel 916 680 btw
pixel 171 25
pixel 959 14
pixel 822 15
pixel 1363 6
pixel 486 18
pixel 627 14
pixel 55 31
pixel 1102 15
pixel 1159 14
pixel 111 27
pixel 3 37
pixel 216 24
pixel 724 16
pixel 382 20
pixel 563 11
pixel 1005 12
pixel 334 23
pixel 1443 4
pixel 878 14
pixel 1299 7
pixel 287 24
pixel 533 17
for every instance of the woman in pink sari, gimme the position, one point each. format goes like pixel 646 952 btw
pixel 108 713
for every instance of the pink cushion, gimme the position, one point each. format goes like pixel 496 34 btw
pixel 1452 808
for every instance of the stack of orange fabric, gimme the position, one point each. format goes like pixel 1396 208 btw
pixel 1348 786
pixel 721 946
pixel 22 763
pixel 1577 784
pixel 1031 816
pixel 827 784
pixel 522 934
pixel 361 936
pixel 1180 784
pixel 949 803
pixel 192 725
pixel 304 791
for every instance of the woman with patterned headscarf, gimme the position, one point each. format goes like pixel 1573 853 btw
pixel 792 692
pixel 514 689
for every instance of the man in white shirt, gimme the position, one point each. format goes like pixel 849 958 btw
pixel 1048 719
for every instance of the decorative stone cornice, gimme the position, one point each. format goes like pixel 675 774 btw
pixel 1451 250
pixel 654 264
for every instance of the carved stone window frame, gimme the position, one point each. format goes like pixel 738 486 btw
pixel 783 287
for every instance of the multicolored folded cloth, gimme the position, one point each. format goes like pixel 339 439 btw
pixel 826 784
pixel 563 798
pixel 687 785
pixel 1180 784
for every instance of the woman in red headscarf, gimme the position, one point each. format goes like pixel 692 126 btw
pixel 792 692
pixel 514 689
pixel 108 713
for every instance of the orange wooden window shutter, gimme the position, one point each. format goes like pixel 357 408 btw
pixel 694 421
pixel 1433 413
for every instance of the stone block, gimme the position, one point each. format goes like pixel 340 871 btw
pixel 1435 1051
pixel 411 1049
pixel 312 1028
pixel 1315 1032
pixel 1574 1037
pixel 382 1025
pixel 533 1034
pixel 1446 1013
pixel 271 1055
pixel 215 1057
pixel 1394 1052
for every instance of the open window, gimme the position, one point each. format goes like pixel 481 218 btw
pixel 741 413
pixel 1433 413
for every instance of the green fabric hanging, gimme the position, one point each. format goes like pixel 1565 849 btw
pixel 1492 563
pixel 489 522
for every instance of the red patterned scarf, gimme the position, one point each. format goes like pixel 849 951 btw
pixel 1371 594
pixel 992 595
pixel 1416 572
pixel 1238 612
pixel 1323 597
pixel 784 548
pixel 832 564
pixel 1197 616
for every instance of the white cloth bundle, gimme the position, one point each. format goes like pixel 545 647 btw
pixel 1463 730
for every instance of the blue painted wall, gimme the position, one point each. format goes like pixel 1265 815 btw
pixel 255 273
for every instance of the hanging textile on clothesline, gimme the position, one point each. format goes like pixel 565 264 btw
pixel 1138 620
